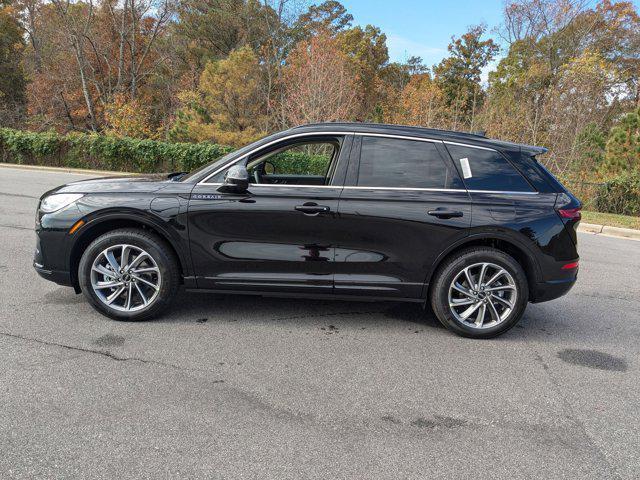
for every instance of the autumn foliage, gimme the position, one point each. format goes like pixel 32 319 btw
pixel 319 84
pixel 561 73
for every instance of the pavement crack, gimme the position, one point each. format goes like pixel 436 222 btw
pixel 5 194
pixel 16 227
pixel 103 353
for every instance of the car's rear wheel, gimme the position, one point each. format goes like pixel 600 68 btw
pixel 129 274
pixel 480 293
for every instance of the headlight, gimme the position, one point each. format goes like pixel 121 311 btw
pixel 57 201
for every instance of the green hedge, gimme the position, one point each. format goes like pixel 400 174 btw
pixel 620 195
pixel 122 154
pixel 102 152
pixel 298 163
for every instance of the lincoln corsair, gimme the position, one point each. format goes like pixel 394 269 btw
pixel 474 227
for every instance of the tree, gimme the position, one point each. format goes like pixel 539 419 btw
pixel 422 103
pixel 578 99
pixel 83 54
pixel 567 67
pixel 366 49
pixel 211 29
pixel 623 145
pixel 330 17
pixel 228 107
pixel 458 75
pixel 281 23
pixel 12 78
pixel 591 143
pixel 128 118
pixel 319 84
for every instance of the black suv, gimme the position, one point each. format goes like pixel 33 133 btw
pixel 476 227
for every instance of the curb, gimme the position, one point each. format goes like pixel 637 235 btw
pixel 619 232
pixel 107 173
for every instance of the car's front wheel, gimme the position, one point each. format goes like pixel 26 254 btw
pixel 129 274
pixel 480 293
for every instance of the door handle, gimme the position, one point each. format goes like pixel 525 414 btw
pixel 445 213
pixel 311 208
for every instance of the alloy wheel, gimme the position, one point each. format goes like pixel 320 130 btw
pixel 482 295
pixel 125 278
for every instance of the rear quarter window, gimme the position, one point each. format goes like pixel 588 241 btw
pixel 487 170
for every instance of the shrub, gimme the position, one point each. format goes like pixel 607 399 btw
pixel 620 195
pixel 104 152
pixel 299 163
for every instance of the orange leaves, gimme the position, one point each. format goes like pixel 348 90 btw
pixel 319 85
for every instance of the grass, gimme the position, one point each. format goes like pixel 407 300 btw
pixel 611 219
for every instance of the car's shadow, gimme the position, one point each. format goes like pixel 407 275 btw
pixel 194 307
pixel 202 307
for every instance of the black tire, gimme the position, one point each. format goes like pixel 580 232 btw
pixel 160 252
pixel 452 267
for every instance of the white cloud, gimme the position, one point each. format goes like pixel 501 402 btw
pixel 401 48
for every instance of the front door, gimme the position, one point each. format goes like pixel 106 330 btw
pixel 403 203
pixel 278 236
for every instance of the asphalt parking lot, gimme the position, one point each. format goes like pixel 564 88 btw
pixel 244 387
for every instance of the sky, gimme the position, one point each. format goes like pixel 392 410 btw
pixel 424 27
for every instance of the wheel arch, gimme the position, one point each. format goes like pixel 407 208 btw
pixel 109 222
pixel 500 241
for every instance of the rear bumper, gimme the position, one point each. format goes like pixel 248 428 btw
pixel 545 291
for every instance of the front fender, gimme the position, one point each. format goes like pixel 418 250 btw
pixel 166 217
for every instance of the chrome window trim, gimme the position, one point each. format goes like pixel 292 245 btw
pixel 261 185
pixel 406 189
pixel 366 134
pixel 401 137
pixel 503 192
pixel 470 146
pixel 297 135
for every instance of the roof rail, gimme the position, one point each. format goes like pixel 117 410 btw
pixel 481 134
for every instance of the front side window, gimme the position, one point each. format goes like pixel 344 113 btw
pixel 400 163
pixel 487 170
pixel 304 162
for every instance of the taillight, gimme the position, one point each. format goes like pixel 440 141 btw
pixel 570 266
pixel 570 213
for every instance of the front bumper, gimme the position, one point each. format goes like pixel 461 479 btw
pixel 57 276
pixel 50 258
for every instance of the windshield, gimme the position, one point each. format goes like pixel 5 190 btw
pixel 220 161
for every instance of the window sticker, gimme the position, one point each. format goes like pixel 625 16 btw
pixel 466 169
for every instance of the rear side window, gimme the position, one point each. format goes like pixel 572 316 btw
pixel 487 170
pixel 394 162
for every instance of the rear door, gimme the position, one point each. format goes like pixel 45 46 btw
pixel 402 205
